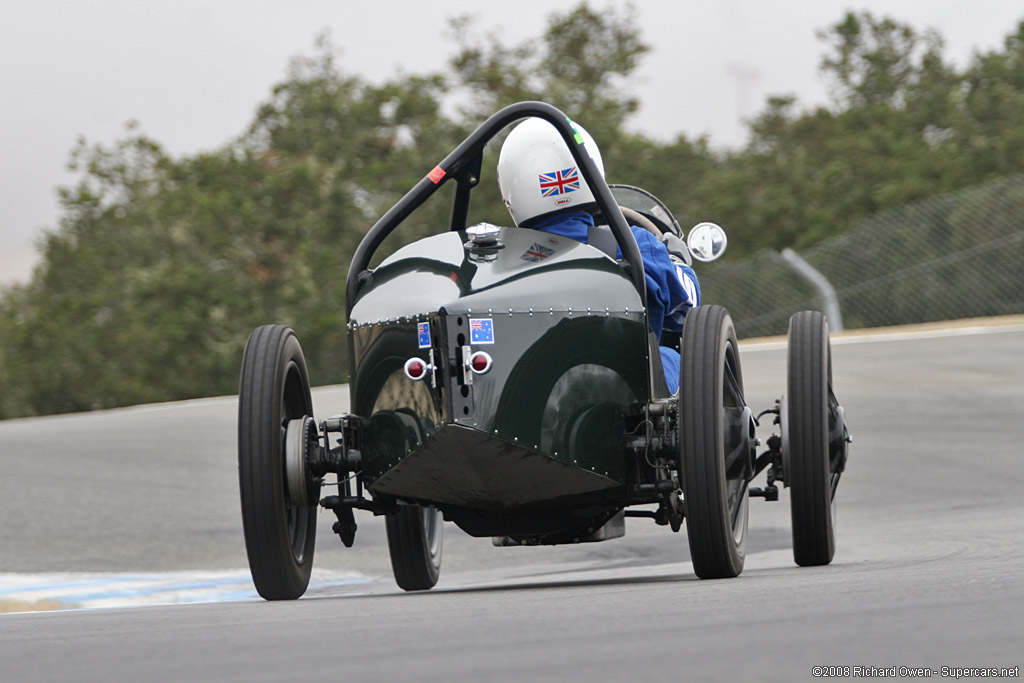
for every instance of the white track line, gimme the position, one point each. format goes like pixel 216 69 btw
pixel 96 590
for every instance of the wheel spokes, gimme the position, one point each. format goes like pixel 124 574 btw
pixel 736 418
pixel 738 501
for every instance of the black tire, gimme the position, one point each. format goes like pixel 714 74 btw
pixel 715 493
pixel 415 541
pixel 809 399
pixel 279 536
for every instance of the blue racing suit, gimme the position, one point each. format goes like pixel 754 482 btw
pixel 672 287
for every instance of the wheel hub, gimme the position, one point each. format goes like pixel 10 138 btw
pixel 299 442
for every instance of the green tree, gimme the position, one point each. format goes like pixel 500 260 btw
pixel 808 175
pixel 877 61
pixel 988 125
pixel 581 65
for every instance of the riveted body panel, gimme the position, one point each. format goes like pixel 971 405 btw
pixel 567 334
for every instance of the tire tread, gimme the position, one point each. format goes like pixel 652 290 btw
pixel 713 551
pixel 408 546
pixel 275 572
pixel 808 470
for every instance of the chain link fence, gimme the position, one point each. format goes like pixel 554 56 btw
pixel 958 255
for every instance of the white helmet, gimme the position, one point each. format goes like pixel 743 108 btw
pixel 537 174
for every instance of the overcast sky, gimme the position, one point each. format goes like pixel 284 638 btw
pixel 192 72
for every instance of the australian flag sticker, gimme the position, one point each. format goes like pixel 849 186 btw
pixel 423 333
pixel 481 331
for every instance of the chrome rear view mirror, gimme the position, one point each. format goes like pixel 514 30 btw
pixel 707 241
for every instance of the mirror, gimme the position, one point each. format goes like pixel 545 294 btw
pixel 707 241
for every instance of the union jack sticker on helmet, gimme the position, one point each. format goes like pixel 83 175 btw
pixel 559 182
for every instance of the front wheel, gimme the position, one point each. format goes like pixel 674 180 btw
pixel 810 411
pixel 415 539
pixel 279 520
pixel 714 422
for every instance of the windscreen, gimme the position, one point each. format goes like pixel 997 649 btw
pixel 646 203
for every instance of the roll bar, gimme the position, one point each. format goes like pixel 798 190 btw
pixel 463 164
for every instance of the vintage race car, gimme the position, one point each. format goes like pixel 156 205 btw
pixel 505 379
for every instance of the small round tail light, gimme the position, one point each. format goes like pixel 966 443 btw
pixel 416 368
pixel 480 362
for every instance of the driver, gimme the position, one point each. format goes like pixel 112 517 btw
pixel 544 190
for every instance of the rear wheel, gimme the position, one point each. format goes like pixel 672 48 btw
pixel 809 407
pixel 280 531
pixel 714 448
pixel 415 539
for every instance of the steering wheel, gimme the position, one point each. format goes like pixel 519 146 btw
pixel 638 219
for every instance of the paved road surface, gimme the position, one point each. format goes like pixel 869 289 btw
pixel 928 569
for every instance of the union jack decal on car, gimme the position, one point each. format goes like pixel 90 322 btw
pixel 559 182
pixel 537 252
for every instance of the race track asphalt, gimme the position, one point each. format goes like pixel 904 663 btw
pixel 927 572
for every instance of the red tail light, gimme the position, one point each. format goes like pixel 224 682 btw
pixel 416 368
pixel 480 362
